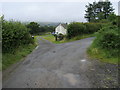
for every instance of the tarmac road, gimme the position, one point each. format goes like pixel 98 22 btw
pixel 62 66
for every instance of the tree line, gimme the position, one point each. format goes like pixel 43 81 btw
pixel 35 28
pixel 97 11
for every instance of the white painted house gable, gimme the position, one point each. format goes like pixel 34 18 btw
pixel 61 28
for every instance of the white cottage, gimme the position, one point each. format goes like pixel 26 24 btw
pixel 61 29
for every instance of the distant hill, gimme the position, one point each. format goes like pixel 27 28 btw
pixel 48 23
pixel 45 23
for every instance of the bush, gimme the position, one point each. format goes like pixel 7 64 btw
pixel 118 21
pixel 92 27
pixel 14 34
pixel 108 38
pixel 104 21
pixel 60 36
pixel 75 29
pixel 34 27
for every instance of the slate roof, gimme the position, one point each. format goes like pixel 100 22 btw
pixel 64 25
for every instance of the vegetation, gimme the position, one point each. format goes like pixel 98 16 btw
pixel 16 42
pixel 78 29
pixel 36 29
pixel 92 27
pixel 118 21
pixel 44 29
pixel 51 38
pixel 106 46
pixel 98 11
pixel 9 59
pixel 14 34
pixel 75 29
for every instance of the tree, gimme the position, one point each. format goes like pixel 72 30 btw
pixel 112 17
pixel 89 12
pixel 34 27
pixel 98 11
pixel 107 9
pixel 118 21
pixel 100 15
pixel 1 21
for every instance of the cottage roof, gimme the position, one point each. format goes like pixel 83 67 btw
pixel 64 25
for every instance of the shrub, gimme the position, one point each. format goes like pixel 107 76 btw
pixel 104 21
pixel 14 34
pixel 75 29
pixel 92 27
pixel 108 38
pixel 118 21
pixel 60 36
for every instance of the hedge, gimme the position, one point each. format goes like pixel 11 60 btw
pixel 76 28
pixel 108 38
pixel 14 34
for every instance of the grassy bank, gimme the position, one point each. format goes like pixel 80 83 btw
pixel 106 45
pixel 101 54
pixel 51 38
pixel 9 59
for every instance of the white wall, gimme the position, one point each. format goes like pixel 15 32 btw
pixel 60 29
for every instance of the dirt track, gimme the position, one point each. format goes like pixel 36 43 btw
pixel 62 66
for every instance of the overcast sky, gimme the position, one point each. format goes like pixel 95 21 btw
pixel 47 11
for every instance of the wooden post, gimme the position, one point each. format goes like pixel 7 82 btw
pixel 55 37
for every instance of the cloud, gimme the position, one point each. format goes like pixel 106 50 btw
pixel 54 0
pixel 46 11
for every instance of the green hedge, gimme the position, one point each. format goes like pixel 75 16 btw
pixel 108 38
pixel 76 28
pixel 118 21
pixel 92 27
pixel 14 34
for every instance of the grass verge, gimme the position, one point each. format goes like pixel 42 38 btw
pixel 51 38
pixel 9 59
pixel 102 55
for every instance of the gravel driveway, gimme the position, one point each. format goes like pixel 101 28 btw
pixel 62 66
